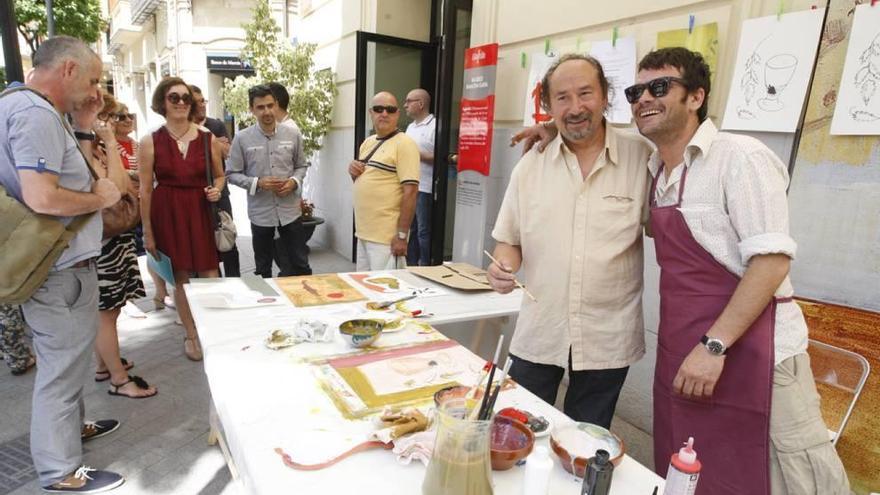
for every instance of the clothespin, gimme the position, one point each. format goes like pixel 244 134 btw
pixel 614 33
pixel 814 7
pixel 578 44
pixel 780 8
pixel 547 46
pixel 522 59
pixel 691 20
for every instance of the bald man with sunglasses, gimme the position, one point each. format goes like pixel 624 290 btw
pixel 386 185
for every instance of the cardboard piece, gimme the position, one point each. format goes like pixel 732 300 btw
pixel 462 276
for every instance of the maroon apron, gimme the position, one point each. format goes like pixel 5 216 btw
pixel 731 429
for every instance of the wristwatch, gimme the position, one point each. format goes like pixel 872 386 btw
pixel 84 136
pixel 714 346
pixel 401 235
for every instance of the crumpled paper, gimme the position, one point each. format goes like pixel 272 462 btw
pixel 303 330
pixel 408 430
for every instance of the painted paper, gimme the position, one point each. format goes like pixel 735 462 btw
pixel 619 64
pixel 533 112
pixel 857 111
pixel 318 290
pixel 704 40
pixel 772 74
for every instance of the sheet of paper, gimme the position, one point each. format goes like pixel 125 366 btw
pixel 858 97
pixel 162 266
pixel 619 63
pixel 772 74
pixel 703 40
pixel 533 112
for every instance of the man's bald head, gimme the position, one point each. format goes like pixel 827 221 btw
pixel 384 113
pixel 417 104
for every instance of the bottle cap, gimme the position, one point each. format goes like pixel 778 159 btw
pixel 687 454
pixel 602 457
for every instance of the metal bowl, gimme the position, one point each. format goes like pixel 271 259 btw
pixel 361 333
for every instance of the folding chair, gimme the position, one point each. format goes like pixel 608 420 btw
pixel 840 376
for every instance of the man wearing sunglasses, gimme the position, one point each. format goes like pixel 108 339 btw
pixel 268 161
pixel 732 343
pixel 572 219
pixel 386 184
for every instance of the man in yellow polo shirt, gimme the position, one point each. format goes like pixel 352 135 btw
pixel 386 184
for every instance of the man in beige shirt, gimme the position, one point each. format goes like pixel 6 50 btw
pixel 572 219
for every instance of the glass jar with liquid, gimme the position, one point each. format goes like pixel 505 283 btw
pixel 460 463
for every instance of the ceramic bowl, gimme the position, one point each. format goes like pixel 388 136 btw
pixel 453 392
pixel 575 444
pixel 510 442
pixel 361 333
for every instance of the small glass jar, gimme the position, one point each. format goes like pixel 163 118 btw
pixel 460 463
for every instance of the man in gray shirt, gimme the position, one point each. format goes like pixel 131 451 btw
pixel 41 166
pixel 267 160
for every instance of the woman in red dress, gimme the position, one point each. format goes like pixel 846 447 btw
pixel 176 214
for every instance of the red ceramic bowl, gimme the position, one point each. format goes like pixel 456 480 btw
pixel 577 443
pixel 510 442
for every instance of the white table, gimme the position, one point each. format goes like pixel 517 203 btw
pixel 266 399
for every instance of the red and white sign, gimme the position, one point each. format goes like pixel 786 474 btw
pixel 477 109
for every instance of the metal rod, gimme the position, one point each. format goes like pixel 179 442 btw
pixel 11 51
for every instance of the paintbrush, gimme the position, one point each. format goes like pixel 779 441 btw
pixel 491 374
pixel 517 282
pixel 491 406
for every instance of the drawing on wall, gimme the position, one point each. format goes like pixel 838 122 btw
pixel 533 112
pixel 867 79
pixel 772 72
pixel 857 111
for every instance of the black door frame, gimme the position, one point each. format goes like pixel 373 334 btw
pixel 446 11
pixel 428 78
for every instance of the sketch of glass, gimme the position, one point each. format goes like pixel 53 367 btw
pixel 751 81
pixel 866 80
pixel 777 74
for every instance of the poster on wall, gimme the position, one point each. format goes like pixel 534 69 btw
pixel 477 108
pixel 533 112
pixel 703 39
pixel 772 72
pixel 857 111
pixel 619 63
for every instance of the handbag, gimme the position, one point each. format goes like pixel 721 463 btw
pixel 224 226
pixel 123 216
pixel 31 243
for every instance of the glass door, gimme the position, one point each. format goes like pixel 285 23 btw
pixel 396 65
pixel 453 25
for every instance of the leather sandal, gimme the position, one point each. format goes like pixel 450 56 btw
pixel 192 349
pixel 140 382
pixel 103 376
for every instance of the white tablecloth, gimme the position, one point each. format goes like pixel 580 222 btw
pixel 267 399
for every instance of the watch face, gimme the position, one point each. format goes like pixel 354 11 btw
pixel 715 346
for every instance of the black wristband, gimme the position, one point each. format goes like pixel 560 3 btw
pixel 84 136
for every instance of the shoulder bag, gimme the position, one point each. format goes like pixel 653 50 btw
pixel 224 226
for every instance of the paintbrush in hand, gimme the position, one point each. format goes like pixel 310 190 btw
pixel 517 282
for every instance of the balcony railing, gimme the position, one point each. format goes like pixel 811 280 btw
pixel 141 10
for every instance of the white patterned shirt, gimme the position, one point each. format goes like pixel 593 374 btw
pixel 735 206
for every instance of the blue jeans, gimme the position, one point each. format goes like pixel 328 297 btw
pixel 418 251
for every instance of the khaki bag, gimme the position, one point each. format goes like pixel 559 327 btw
pixel 30 243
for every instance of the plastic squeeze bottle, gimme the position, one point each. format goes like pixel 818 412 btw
pixel 684 471
pixel 597 478
pixel 539 465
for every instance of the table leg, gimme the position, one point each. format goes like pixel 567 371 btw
pixel 215 437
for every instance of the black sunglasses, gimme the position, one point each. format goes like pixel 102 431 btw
pixel 176 98
pixel 119 117
pixel 391 109
pixel 657 87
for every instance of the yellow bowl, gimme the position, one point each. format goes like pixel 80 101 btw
pixel 361 333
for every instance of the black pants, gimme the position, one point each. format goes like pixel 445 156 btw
pixel 231 268
pixel 591 396
pixel 264 250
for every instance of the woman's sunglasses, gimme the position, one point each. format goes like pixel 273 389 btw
pixel 657 87
pixel 176 98
pixel 119 117
pixel 391 109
